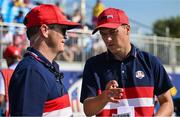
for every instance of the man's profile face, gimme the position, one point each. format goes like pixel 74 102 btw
pixel 57 35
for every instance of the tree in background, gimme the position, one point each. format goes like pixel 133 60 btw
pixel 167 27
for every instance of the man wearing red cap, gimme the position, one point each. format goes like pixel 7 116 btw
pixel 12 54
pixel 124 80
pixel 36 87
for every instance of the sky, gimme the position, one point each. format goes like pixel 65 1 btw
pixel 143 12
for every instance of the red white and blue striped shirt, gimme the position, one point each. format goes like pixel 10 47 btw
pixel 35 91
pixel 141 75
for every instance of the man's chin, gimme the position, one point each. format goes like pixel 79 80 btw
pixel 115 51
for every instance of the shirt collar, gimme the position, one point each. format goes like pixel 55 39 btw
pixel 133 51
pixel 31 49
pixel 132 54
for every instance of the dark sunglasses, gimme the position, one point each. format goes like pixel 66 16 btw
pixel 60 28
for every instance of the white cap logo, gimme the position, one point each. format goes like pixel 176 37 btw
pixel 109 16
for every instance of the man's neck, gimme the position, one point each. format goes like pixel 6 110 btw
pixel 46 52
pixel 47 55
pixel 122 54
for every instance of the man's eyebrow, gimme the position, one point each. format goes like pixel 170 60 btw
pixel 113 30
pixel 107 30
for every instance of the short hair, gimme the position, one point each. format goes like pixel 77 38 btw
pixel 32 31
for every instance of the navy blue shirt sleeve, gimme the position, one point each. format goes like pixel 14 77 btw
pixel 162 80
pixel 29 85
pixel 89 84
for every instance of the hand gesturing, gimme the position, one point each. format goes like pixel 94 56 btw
pixel 112 92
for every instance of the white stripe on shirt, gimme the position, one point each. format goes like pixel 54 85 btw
pixel 65 112
pixel 135 102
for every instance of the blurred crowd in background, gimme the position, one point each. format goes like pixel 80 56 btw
pixel 79 45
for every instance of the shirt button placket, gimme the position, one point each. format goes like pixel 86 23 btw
pixel 122 70
pixel 123 76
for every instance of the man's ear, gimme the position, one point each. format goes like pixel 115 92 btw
pixel 44 30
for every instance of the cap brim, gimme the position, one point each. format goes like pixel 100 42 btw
pixel 106 25
pixel 70 24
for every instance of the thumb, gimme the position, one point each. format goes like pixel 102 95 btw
pixel 112 84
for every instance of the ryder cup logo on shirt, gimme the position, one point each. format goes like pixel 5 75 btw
pixel 140 74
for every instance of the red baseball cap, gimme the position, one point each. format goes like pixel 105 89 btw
pixel 12 51
pixel 47 14
pixel 111 18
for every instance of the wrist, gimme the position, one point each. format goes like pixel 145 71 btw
pixel 102 97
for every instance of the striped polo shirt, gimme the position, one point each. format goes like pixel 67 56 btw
pixel 35 91
pixel 141 75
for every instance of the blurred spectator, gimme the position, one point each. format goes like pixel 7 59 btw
pixel 98 8
pixel 88 46
pixel 98 45
pixel 62 11
pixel 20 17
pixel 28 3
pixel 6 35
pixel 73 46
pixel 67 55
pixel 72 52
pixel 1 18
pixel 12 54
pixel 76 17
pixel 18 3
pixel 20 40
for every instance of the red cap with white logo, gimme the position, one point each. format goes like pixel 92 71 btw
pixel 47 14
pixel 111 18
